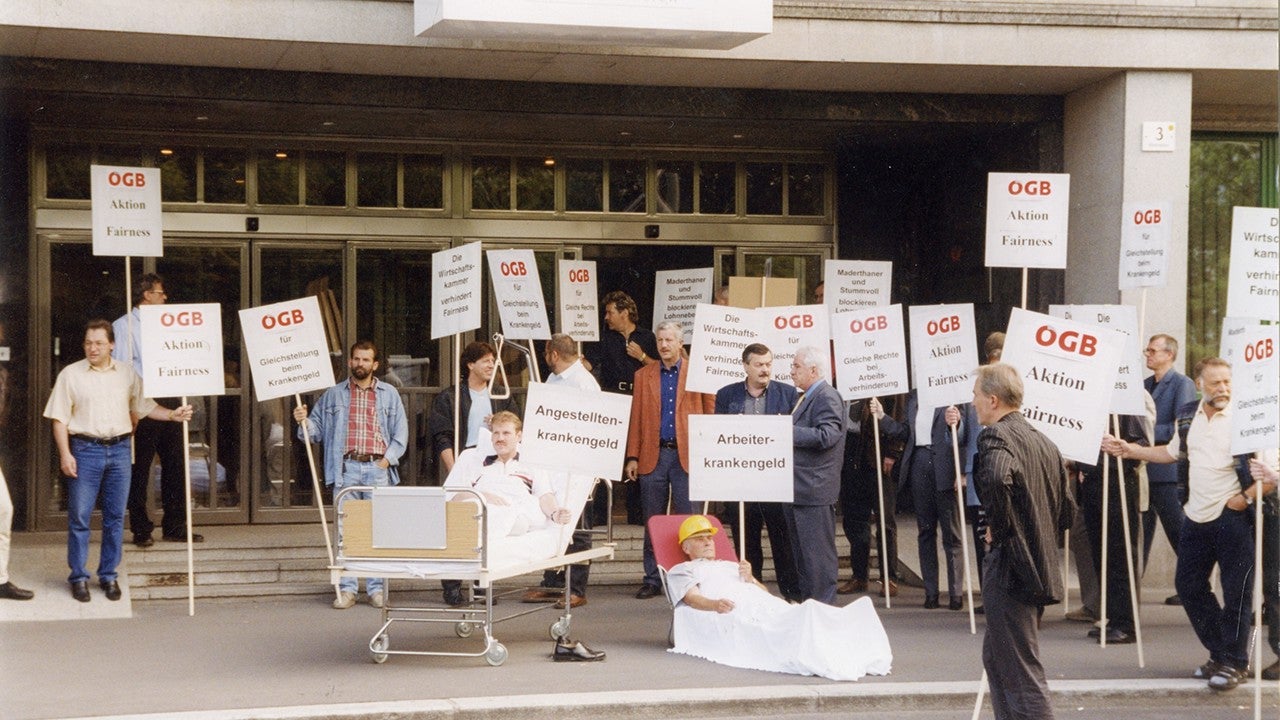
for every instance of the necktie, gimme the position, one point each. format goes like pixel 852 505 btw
pixel 799 399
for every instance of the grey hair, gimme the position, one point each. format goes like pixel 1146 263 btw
pixel 1002 381
pixel 670 325
pixel 810 356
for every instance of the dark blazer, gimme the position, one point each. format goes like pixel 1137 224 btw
pixel 944 467
pixel 440 422
pixel 646 416
pixel 1170 394
pixel 779 398
pixel 818 435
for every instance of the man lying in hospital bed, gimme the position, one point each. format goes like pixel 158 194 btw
pixel 724 615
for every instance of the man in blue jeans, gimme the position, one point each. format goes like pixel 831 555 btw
pixel 363 427
pixel 90 407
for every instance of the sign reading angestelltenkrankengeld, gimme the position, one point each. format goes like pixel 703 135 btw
pixel 287 349
pixel 741 458
pixel 581 432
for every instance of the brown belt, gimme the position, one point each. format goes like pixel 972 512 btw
pixel 361 457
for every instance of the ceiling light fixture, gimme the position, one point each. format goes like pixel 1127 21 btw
pixel 282 155
pixel 549 162
pixel 166 151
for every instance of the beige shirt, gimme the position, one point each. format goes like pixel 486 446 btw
pixel 1211 467
pixel 96 402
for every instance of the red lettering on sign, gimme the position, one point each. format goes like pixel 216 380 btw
pixel 1261 350
pixel 946 325
pixel 284 319
pixel 513 268
pixel 580 275
pixel 116 179
pixel 875 322
pixel 1030 187
pixel 1070 341
pixel 1146 217
pixel 182 319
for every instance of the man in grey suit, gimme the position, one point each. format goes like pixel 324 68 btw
pixel 819 451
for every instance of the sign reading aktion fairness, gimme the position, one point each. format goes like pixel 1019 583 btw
pixel 715 357
pixel 125 211
pixel 1130 395
pixel 1253 282
pixel 518 292
pixel 787 329
pixel 1068 371
pixel 1027 219
pixel 579 316
pixel 856 284
pixel 676 294
pixel 944 352
pixel 1144 245
pixel 580 432
pixel 455 290
pixel 871 352
pixel 1255 391
pixel 181 347
pixel 287 349
pixel 741 458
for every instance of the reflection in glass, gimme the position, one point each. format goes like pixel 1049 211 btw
pixel 490 183
pixel 764 188
pixel 224 174
pixel 584 185
pixel 177 174
pixel 67 172
pixel 535 184
pixel 326 178
pixel 376 180
pixel 278 177
pixel 120 155
pixel 716 188
pixel 423 181
pixel 804 189
pixel 626 186
pixel 393 309
pixel 675 186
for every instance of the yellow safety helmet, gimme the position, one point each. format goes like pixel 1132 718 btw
pixel 695 525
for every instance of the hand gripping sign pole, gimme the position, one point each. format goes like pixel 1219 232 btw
pixel 964 539
pixel 884 538
pixel 1128 547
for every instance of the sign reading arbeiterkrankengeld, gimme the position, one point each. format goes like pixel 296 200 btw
pixel 1130 396
pixel 676 294
pixel 944 352
pixel 740 458
pixel 1027 220
pixel 580 432
pixel 518 291
pixel 856 284
pixel 125 210
pixel 715 357
pixel 579 313
pixel 1144 244
pixel 287 349
pixel 1068 371
pixel 1253 282
pixel 1255 391
pixel 871 352
pixel 455 290
pixel 181 347
pixel 787 329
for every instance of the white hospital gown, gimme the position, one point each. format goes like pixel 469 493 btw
pixel 765 632
pixel 520 485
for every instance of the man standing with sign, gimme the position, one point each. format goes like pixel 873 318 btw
pixel 90 407
pixel 363 427
pixel 1023 488
pixel 480 360
pixel 757 395
pixel 819 436
pixel 150 437
pixel 1171 390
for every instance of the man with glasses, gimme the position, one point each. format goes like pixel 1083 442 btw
pixel 1171 390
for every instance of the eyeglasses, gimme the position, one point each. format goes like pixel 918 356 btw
pixel 1153 351
pixel 160 292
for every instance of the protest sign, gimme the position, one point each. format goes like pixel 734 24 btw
pixel 1233 329
pixel 871 352
pixel 676 294
pixel 741 457
pixel 518 291
pixel 1027 220
pixel 715 357
pixel 125 211
pixel 287 349
pixel 581 432
pixel 1130 396
pixel 1144 245
pixel 856 284
pixel 787 329
pixel 579 309
pixel 944 352
pixel 1253 282
pixel 1068 372
pixel 1255 391
pixel 455 290
pixel 181 347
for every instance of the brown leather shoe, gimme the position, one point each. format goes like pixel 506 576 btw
pixel 541 595
pixel 852 585
pixel 574 601
pixel 893 588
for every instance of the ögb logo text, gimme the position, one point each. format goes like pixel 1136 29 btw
pixel 282 319
pixel 185 319
pixel 794 322
pixel 1146 217
pixel 127 179
pixel 579 275
pixel 514 268
pixel 1069 341
pixel 871 324
pixel 1039 188
pixel 945 325
pixel 1258 351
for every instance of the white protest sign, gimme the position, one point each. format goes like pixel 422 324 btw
pixel 676 294
pixel 581 432
pixel 579 318
pixel 125 211
pixel 741 458
pixel 287 349
pixel 856 284
pixel 787 329
pixel 1027 220
pixel 1144 245
pixel 1253 282
pixel 871 352
pixel 1255 391
pixel 455 290
pixel 1068 372
pixel 1233 329
pixel 944 353
pixel 715 357
pixel 518 291
pixel 1130 396
pixel 181 348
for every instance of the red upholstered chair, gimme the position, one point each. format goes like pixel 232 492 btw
pixel 663 531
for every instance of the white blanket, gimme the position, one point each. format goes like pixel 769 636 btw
pixel 764 632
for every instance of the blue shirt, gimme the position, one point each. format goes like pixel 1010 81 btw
pixel 328 424
pixel 1172 392
pixel 670 380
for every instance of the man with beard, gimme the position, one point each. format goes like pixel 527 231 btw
pixel 363 427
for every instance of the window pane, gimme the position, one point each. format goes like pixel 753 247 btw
pixel 716 189
pixel 804 189
pixel 67 172
pixel 626 186
pixel 764 188
pixel 393 308
pixel 584 185
pixel 278 177
pixel 376 180
pixel 177 174
pixel 535 184
pixel 121 155
pixel 423 181
pixel 675 187
pixel 490 183
pixel 224 176
pixel 326 178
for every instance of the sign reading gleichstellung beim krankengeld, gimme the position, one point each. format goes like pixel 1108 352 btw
pixel 125 209
pixel 1144 245
pixel 517 289
pixel 1255 415
pixel 181 347
pixel 1027 219
pixel 287 349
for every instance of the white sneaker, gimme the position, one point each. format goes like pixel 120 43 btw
pixel 344 600
pixel 376 600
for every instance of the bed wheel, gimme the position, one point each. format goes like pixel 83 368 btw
pixel 496 654
pixel 560 629
pixel 464 629
pixel 379 647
